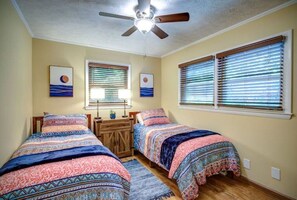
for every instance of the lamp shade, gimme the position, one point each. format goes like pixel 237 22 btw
pixel 124 94
pixel 97 93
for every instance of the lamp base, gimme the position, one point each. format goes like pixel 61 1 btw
pixel 124 116
pixel 97 118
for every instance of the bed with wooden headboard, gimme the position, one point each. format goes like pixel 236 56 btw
pixel 133 115
pixel 64 162
pixel 38 122
pixel 188 154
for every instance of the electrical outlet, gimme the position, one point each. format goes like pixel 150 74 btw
pixel 275 173
pixel 246 163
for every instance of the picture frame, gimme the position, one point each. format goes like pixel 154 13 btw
pixel 146 82
pixel 61 81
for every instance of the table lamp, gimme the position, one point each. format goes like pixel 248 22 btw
pixel 96 94
pixel 124 94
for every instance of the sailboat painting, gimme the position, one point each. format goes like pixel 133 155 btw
pixel 146 85
pixel 61 81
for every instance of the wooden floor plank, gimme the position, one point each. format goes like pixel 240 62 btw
pixel 218 187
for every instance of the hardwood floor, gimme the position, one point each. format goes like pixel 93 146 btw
pixel 217 187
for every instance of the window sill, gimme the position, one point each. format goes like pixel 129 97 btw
pixel 239 111
pixel 106 107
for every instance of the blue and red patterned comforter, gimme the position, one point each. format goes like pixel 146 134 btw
pixel 194 159
pixel 64 166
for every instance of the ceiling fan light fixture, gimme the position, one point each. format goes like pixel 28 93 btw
pixel 144 25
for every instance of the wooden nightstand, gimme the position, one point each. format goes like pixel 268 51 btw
pixel 116 134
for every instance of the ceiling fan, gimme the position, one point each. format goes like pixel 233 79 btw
pixel 145 19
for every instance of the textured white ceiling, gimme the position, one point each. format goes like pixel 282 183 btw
pixel 78 22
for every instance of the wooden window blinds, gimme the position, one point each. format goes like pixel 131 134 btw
pixel 111 78
pixel 197 82
pixel 251 76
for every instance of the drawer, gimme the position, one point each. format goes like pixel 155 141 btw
pixel 119 125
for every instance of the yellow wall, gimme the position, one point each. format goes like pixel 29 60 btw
pixel 15 81
pixel 47 53
pixel 265 141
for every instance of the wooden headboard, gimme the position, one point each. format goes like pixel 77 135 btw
pixel 133 115
pixel 38 121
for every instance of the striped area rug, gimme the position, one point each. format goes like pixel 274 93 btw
pixel 144 185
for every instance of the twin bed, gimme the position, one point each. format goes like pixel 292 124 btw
pixel 189 155
pixel 66 161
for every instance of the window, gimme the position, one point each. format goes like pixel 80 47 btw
pixel 197 82
pixel 111 78
pixel 251 76
pixel 253 79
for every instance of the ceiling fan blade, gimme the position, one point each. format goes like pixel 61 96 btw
pixel 144 6
pixel 115 16
pixel 130 31
pixel 178 17
pixel 159 32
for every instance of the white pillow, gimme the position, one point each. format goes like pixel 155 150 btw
pixel 139 118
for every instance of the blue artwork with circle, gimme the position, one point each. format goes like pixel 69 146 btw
pixel 61 81
pixel 146 85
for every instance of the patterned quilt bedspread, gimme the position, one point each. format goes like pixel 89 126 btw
pixel 64 166
pixel 194 159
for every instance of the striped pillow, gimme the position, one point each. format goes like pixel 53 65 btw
pixel 64 123
pixel 155 116
pixel 63 129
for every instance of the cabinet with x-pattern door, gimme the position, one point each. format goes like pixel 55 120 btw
pixel 116 134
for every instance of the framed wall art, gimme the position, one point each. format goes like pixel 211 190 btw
pixel 61 81
pixel 146 85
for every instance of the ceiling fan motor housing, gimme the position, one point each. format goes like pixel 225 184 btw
pixel 145 15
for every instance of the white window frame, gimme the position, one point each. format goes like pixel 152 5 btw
pixel 87 107
pixel 287 87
